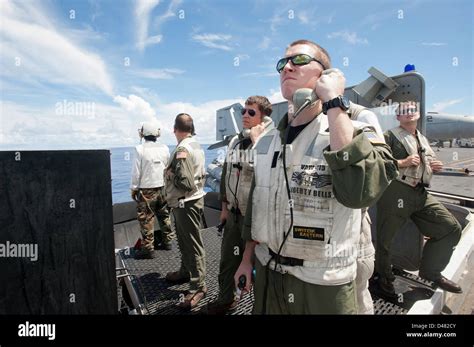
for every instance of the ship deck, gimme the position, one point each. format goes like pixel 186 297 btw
pixel 161 297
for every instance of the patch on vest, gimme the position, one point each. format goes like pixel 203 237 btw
pixel 181 155
pixel 373 137
pixel 308 233
pixel 314 179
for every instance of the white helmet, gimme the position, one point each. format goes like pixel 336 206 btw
pixel 150 129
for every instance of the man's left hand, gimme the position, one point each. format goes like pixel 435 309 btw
pixel 436 165
pixel 330 85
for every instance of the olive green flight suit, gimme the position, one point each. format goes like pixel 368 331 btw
pixel 400 202
pixel 188 221
pixel 232 249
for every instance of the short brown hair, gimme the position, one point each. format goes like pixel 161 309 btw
pixel 321 53
pixel 184 123
pixel 262 102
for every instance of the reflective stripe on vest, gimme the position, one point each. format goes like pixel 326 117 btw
pixel 238 179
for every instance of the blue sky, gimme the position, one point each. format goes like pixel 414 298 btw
pixel 84 74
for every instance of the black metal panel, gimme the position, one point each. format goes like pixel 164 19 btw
pixel 60 201
pixel 125 211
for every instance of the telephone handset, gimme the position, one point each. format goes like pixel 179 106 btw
pixel 304 97
pixel 266 122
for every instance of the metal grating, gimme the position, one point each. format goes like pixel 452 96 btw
pixel 161 297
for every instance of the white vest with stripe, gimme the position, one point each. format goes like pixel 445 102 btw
pixel 239 174
pixel 325 233
pixel 412 175
pixel 197 158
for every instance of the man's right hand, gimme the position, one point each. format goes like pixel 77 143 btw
pixel 412 160
pixel 245 268
pixel 134 194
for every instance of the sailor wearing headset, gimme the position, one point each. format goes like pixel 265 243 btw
pixel 237 174
pixel 303 222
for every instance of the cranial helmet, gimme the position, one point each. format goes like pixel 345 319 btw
pixel 150 129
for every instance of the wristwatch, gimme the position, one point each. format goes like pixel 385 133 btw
pixel 341 102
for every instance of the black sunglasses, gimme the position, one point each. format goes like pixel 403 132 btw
pixel 407 112
pixel 249 110
pixel 298 59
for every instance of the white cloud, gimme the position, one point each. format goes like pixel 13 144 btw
pixel 204 116
pixel 136 106
pixel 84 35
pixel 275 21
pixel 151 40
pixel 303 17
pixel 36 51
pixel 275 96
pixel 243 56
pixel 350 37
pixel 218 41
pixel 143 11
pixel 170 13
pixel 159 74
pixel 434 44
pixel 264 44
pixel 28 127
pixel 442 105
pixel 95 7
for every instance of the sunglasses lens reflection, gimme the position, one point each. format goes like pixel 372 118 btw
pixel 250 112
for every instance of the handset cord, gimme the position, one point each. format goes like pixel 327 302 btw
pixel 285 235
pixel 234 193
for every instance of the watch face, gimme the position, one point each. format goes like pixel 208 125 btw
pixel 345 102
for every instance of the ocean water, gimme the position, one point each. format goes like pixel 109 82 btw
pixel 121 166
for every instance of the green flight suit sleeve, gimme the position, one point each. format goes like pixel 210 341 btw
pixel 361 170
pixel 183 170
pixel 388 138
pixel 222 194
pixel 247 227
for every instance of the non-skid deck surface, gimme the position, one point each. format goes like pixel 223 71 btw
pixel 162 297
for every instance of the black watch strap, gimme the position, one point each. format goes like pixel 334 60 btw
pixel 336 102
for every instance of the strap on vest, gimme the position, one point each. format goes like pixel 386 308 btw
pixel 288 261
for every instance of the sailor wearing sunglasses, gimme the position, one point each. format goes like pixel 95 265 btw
pixel 237 174
pixel 313 175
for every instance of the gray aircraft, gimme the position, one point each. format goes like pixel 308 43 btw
pixel 445 127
